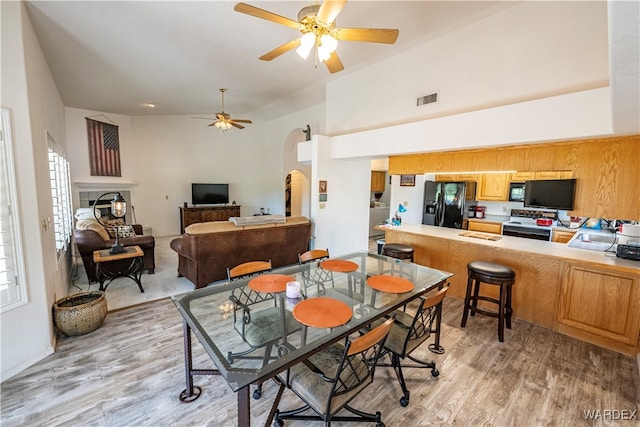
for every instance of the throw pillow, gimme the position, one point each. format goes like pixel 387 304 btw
pixel 92 224
pixel 113 222
pixel 86 213
pixel 122 230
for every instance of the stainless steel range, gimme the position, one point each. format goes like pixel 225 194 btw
pixel 522 223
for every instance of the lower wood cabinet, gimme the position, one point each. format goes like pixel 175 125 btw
pixel 194 214
pixel 600 305
pixel 561 236
pixel 592 302
pixel 486 226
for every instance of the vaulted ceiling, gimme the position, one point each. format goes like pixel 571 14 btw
pixel 115 56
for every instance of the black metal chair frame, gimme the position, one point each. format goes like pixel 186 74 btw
pixel 320 276
pixel 243 300
pixel 349 376
pixel 423 324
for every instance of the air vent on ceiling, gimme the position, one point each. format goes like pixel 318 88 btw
pixel 427 99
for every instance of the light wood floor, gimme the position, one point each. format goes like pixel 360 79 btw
pixel 130 372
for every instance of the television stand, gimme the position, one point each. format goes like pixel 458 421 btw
pixel 194 214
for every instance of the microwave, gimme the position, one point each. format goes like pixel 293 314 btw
pixel 516 192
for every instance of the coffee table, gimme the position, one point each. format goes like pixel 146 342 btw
pixel 127 264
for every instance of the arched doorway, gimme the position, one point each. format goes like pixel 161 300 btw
pixel 294 193
pixel 297 178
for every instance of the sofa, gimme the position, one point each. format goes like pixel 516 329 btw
pixel 207 249
pixel 90 236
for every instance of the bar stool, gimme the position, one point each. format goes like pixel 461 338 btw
pixel 398 250
pixel 493 274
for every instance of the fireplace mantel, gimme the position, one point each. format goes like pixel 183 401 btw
pixel 114 185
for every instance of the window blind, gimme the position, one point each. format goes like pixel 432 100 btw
pixel 12 277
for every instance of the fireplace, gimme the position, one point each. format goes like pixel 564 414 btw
pixel 88 198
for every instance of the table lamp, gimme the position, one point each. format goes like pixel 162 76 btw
pixel 118 210
pixel 397 220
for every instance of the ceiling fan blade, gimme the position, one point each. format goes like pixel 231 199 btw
pixel 235 124
pixel 280 50
pixel 375 35
pixel 241 121
pixel 264 14
pixel 205 118
pixel 334 64
pixel 214 123
pixel 329 10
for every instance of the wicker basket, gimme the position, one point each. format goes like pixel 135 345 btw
pixel 80 313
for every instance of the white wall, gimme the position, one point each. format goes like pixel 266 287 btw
pixel 29 92
pixel 574 115
pixel 342 222
pixel 282 137
pixel 162 155
pixel 528 51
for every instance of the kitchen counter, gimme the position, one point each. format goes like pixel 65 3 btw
pixel 558 250
pixel 589 295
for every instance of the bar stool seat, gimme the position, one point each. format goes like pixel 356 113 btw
pixel 492 274
pixel 398 250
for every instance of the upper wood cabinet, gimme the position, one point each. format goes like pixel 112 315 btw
pixel 493 186
pixel 606 169
pixel 553 175
pixel 378 181
pixel 522 176
pixel 457 177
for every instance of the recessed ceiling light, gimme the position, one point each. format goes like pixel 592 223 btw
pixel 150 105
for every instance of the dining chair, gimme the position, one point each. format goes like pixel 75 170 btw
pixel 408 332
pixel 315 276
pixel 248 269
pixel 328 380
pixel 257 317
pixel 323 279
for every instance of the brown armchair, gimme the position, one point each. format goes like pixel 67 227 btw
pixel 89 240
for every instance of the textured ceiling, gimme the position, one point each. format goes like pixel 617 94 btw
pixel 115 56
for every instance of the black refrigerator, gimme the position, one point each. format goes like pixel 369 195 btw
pixel 444 203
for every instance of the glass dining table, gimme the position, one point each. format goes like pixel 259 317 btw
pixel 348 293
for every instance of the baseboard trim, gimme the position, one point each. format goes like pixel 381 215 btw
pixel 26 364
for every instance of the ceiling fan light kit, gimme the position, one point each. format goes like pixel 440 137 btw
pixel 318 28
pixel 224 120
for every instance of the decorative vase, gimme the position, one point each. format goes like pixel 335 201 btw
pixel 80 313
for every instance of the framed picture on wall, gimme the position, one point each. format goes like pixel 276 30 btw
pixel 407 180
pixel 323 187
pixel 323 197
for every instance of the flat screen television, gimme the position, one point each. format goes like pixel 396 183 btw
pixel 550 194
pixel 209 194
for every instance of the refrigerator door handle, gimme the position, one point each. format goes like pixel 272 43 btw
pixel 439 211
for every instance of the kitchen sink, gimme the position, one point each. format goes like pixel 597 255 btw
pixel 593 240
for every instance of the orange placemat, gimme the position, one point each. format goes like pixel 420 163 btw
pixel 390 284
pixel 270 282
pixel 322 312
pixel 339 265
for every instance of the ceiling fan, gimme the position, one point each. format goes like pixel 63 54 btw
pixel 224 120
pixel 318 28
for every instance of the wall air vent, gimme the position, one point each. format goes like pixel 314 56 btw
pixel 427 99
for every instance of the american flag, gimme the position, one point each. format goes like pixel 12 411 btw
pixel 104 148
